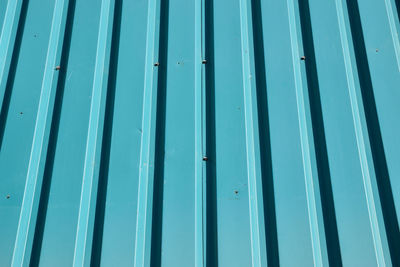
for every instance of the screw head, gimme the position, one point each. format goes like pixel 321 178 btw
pixel 57 67
pixel 157 64
pixel 205 158
pixel 204 61
pixel 303 58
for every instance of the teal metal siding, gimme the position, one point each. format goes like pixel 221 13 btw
pixel 199 133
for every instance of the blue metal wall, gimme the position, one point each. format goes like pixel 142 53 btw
pixel 199 133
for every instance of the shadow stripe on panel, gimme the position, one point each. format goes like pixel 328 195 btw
pixel 160 117
pixel 106 142
pixel 398 8
pixel 375 136
pixel 30 201
pixel 85 224
pixel 271 234
pixel 211 171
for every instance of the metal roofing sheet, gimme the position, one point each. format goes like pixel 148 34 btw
pixel 199 133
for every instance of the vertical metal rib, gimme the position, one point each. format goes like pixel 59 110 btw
pixel 147 150
pixel 7 39
pixel 359 136
pixel 92 157
pixel 257 226
pixel 34 178
pixel 198 91
pixel 305 145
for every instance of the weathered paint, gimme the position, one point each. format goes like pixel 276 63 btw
pixel 199 133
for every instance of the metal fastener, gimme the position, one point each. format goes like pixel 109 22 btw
pixel 303 58
pixel 204 61
pixel 205 158
pixel 8 196
pixel 157 64
pixel 58 67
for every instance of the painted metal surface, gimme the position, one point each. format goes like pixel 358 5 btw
pixel 199 133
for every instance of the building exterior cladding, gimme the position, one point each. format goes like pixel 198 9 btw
pixel 199 133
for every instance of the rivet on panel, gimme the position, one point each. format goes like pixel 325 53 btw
pixel 303 58
pixel 205 158
pixel 157 64
pixel 204 61
pixel 58 68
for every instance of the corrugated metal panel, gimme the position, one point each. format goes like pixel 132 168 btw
pixel 199 133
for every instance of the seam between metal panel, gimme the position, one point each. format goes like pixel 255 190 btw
pixel 146 176
pixel 203 130
pixel 258 256
pixel 198 105
pixel 305 146
pixel 39 145
pixel 92 149
pixel 359 136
